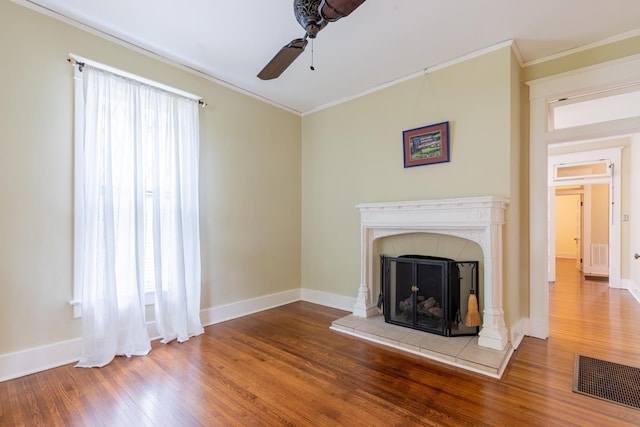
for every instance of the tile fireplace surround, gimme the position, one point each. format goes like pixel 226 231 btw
pixel 479 219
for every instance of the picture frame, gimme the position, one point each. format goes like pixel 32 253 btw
pixel 426 145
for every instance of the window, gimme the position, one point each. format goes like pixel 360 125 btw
pixel 578 170
pixel 136 213
pixel 595 108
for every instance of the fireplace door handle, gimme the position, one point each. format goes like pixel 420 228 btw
pixel 414 288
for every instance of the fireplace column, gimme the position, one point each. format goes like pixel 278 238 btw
pixel 494 332
pixel 365 305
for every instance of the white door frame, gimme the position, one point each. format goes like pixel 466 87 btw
pixel 634 246
pixel 602 77
pixel 614 155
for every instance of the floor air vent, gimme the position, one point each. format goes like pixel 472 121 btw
pixel 607 381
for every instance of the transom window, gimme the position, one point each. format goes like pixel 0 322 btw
pixel 595 108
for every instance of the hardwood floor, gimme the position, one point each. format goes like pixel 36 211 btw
pixel 285 367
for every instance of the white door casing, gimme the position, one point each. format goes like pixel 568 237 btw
pixel 599 78
pixel 579 239
pixel 614 157
pixel 634 246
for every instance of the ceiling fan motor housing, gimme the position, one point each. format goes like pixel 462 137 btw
pixel 313 16
pixel 307 13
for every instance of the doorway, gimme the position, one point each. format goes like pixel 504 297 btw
pixel 592 177
pixel 582 229
pixel 597 81
pixel 569 216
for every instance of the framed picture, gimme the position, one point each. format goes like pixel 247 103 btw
pixel 426 145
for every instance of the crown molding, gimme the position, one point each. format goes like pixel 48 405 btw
pixel 609 40
pixel 420 73
pixel 174 62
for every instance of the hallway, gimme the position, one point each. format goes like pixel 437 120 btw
pixel 585 317
pixel 592 319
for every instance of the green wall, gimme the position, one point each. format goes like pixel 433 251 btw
pixel 352 153
pixel 250 180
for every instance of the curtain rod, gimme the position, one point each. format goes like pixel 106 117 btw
pixel 81 62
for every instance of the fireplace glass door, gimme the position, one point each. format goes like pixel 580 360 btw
pixel 424 293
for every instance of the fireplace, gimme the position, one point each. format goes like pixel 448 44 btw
pixel 479 219
pixel 428 293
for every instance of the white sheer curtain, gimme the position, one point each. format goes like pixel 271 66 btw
pixel 138 140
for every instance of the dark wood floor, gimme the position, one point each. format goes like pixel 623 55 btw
pixel 285 367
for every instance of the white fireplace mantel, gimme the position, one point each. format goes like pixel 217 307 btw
pixel 479 219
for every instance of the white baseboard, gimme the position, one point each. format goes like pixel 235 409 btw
pixel 329 300
pixel 627 284
pixel 223 313
pixel 26 362
pixel 32 360
pixel 519 331
pixel 539 328
pixel 632 287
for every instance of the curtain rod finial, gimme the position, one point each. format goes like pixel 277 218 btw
pixel 73 61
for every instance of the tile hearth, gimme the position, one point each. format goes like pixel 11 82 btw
pixel 462 352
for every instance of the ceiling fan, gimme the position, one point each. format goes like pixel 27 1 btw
pixel 313 16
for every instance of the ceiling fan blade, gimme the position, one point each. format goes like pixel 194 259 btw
pixel 283 59
pixel 332 10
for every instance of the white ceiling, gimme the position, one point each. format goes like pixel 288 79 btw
pixel 382 41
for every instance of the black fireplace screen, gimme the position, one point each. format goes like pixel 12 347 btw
pixel 428 293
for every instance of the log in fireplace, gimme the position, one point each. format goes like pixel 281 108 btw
pixel 428 293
